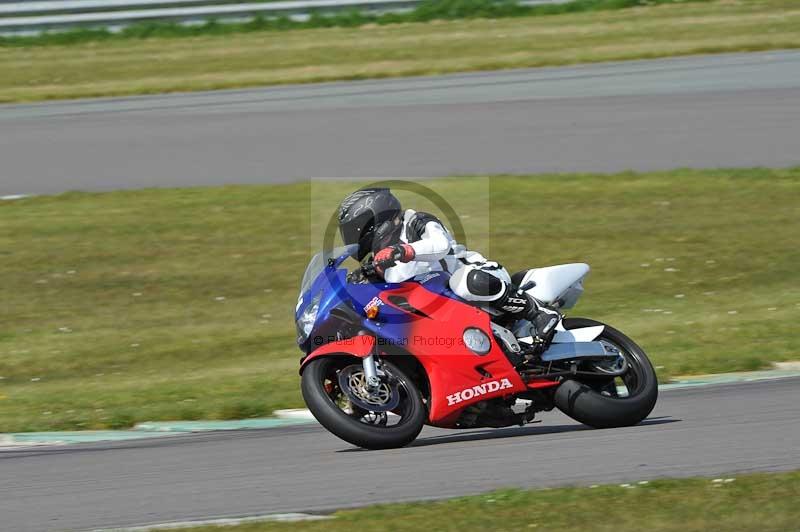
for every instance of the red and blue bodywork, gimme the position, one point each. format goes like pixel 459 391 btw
pixel 421 318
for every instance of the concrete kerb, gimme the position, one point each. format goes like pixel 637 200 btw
pixel 152 429
pixel 731 378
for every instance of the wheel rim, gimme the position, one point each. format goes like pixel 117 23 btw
pixel 345 387
pixel 628 384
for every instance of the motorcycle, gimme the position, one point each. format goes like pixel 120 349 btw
pixel 381 360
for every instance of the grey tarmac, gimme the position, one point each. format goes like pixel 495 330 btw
pixel 730 110
pixel 703 431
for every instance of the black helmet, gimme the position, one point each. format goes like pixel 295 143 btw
pixel 371 218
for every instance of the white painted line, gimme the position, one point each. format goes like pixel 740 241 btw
pixel 8 442
pixel 787 366
pixel 293 413
pixel 226 521
pixel 11 197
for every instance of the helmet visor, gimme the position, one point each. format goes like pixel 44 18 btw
pixel 387 233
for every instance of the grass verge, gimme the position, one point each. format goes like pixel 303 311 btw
pixel 426 11
pixel 749 503
pixel 177 304
pixel 218 59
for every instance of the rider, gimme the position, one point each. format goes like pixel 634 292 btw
pixel 418 243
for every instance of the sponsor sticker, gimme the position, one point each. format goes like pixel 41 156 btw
pixel 371 308
pixel 427 277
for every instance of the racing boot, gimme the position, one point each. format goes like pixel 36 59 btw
pixel 521 306
pixel 543 319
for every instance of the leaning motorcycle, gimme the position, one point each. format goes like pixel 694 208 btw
pixel 381 360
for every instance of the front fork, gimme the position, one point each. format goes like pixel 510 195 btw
pixel 371 371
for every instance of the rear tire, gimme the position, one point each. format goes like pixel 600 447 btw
pixel 583 402
pixel 348 427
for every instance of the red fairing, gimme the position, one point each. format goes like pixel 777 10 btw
pixel 359 346
pixel 458 377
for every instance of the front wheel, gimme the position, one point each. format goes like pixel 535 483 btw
pixel 605 402
pixel 336 393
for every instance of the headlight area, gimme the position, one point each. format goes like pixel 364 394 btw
pixel 305 323
pixel 477 341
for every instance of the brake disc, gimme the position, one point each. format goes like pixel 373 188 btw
pixel 383 398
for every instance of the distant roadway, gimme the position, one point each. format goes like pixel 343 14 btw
pixel 733 110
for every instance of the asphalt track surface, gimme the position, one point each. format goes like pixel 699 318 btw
pixel 736 110
pixel 709 431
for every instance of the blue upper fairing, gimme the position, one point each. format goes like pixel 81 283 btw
pixel 325 287
pixel 438 283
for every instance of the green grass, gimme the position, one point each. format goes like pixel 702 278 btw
pixel 112 312
pixel 149 59
pixel 750 503
pixel 426 11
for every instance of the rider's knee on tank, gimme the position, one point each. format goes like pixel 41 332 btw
pixel 471 283
pixel 482 287
pixel 483 284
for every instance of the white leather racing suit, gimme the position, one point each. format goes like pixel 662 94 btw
pixel 436 250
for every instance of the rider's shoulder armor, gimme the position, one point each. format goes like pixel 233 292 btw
pixel 415 227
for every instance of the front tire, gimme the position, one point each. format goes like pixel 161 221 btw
pixel 322 394
pixel 595 402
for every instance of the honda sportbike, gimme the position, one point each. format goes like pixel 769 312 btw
pixel 381 360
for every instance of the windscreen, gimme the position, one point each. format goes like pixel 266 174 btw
pixel 320 260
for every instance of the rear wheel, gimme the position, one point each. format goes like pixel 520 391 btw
pixel 335 392
pixel 604 402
